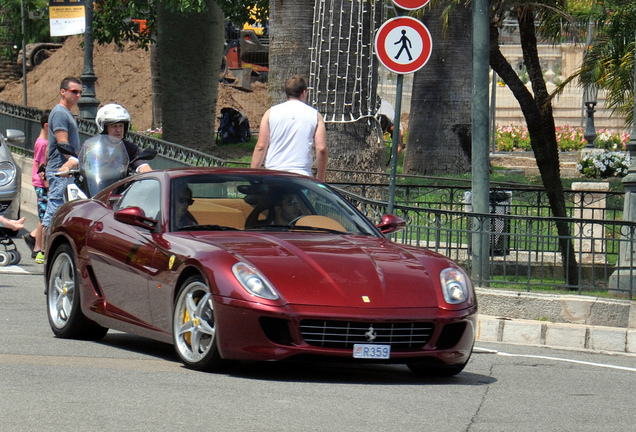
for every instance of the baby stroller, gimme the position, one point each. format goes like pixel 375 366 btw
pixel 9 254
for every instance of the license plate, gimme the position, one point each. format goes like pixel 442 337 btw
pixel 370 351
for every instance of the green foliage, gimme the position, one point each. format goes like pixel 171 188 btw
pixel 609 61
pixel 604 165
pixel 35 30
pixel 113 18
pixel 113 21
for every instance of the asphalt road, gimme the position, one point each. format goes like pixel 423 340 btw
pixel 133 384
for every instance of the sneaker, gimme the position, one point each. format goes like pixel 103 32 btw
pixel 39 258
pixel 35 253
pixel 29 240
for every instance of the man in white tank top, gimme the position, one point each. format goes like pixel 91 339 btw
pixel 288 131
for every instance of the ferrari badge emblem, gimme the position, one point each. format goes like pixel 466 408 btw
pixel 370 334
pixel 366 299
pixel 171 262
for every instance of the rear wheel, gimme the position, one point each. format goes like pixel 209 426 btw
pixel 194 329
pixel 63 300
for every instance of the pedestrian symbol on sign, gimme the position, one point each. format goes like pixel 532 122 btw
pixel 404 41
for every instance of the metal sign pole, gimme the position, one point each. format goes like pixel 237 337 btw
pixel 395 141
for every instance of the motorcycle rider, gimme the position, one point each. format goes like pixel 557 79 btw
pixel 114 120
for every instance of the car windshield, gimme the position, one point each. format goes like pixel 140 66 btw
pixel 216 201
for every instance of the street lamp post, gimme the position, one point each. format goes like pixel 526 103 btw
pixel 590 94
pixel 88 103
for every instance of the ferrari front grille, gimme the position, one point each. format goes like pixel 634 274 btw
pixel 402 336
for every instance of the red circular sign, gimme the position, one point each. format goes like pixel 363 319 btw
pixel 410 4
pixel 403 45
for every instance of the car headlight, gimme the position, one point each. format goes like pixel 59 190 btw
pixel 253 281
pixel 455 285
pixel 7 173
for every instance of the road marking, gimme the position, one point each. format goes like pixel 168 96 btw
pixel 14 269
pixel 504 354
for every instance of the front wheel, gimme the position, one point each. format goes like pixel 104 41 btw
pixel 63 300
pixel 193 328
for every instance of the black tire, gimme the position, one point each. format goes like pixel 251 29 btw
pixel 5 258
pixel 429 370
pixel 63 300
pixel 15 256
pixel 193 326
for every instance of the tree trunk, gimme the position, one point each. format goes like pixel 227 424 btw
pixel 191 50
pixel 290 33
pixel 439 132
pixel 537 111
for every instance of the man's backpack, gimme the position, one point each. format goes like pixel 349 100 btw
pixel 233 128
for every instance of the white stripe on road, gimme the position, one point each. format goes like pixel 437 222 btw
pixel 13 269
pixel 603 365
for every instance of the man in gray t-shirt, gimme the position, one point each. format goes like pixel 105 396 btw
pixel 62 129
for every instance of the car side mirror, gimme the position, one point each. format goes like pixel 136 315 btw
pixel 15 136
pixel 390 224
pixel 135 216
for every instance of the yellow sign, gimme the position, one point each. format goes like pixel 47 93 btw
pixel 67 17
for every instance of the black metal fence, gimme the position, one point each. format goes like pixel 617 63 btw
pixel 524 243
pixel 524 250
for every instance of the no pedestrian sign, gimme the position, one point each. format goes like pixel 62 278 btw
pixel 403 45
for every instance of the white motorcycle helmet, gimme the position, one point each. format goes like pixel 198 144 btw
pixel 110 114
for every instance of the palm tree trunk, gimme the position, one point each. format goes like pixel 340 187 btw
pixel 290 33
pixel 439 138
pixel 191 50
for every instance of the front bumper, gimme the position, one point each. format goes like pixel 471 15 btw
pixel 253 331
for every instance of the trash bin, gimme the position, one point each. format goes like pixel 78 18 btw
pixel 500 203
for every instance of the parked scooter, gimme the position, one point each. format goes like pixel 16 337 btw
pixel 103 160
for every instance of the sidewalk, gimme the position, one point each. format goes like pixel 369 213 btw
pixel 557 321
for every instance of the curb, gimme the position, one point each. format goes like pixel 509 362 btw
pixel 555 335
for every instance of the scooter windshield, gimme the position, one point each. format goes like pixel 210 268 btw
pixel 103 160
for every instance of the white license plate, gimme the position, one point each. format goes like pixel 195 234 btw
pixel 370 351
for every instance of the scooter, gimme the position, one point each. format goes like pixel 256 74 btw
pixel 103 160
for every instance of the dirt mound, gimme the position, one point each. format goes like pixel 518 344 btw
pixel 123 76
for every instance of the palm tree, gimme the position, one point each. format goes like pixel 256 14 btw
pixel 190 51
pixel 440 118
pixel 609 61
pixel 290 34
